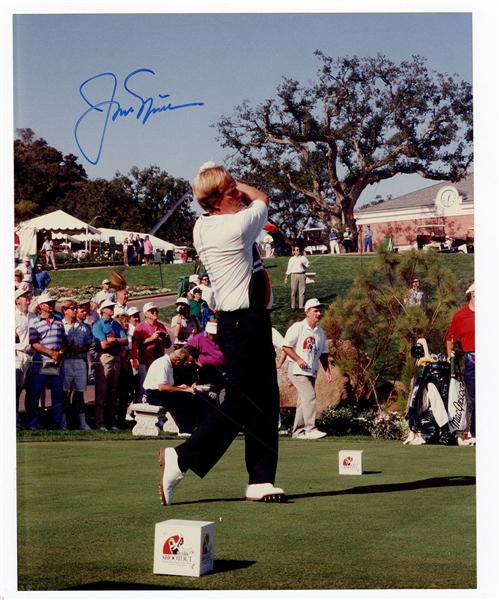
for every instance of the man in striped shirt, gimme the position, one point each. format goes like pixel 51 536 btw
pixel 48 339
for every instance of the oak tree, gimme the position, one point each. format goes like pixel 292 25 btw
pixel 362 121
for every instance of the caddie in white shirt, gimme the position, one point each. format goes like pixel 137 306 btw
pixel 305 345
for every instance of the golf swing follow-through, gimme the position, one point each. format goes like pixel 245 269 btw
pixel 225 239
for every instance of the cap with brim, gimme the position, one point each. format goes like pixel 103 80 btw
pixel 471 288
pixel 312 303
pixel 119 311
pixel 133 310
pixel 211 327
pixel 83 302
pixel 182 301
pixel 148 306
pixel 105 281
pixel 45 298
pixel 107 304
pixel 21 292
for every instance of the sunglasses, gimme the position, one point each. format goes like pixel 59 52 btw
pixel 153 310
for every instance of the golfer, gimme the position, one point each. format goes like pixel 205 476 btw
pixel 225 239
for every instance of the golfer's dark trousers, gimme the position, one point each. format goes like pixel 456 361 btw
pixel 186 409
pixel 251 403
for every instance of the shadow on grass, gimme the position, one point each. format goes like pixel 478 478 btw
pixel 433 482
pixel 219 566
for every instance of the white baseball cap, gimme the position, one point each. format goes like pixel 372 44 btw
pixel 132 310
pixel 107 304
pixel 21 292
pixel 105 281
pixel 471 288
pixel 312 303
pixel 45 298
pixel 148 305
pixel 211 327
pixel 182 301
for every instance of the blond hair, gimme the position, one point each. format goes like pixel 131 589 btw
pixel 181 355
pixel 65 304
pixel 208 186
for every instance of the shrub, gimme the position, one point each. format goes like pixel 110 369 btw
pixel 351 421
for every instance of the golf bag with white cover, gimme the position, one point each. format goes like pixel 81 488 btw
pixel 437 409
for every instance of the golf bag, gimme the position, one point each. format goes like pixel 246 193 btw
pixel 437 409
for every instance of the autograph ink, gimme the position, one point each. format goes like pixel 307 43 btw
pixel 112 108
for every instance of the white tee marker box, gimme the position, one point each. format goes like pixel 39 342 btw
pixel 350 462
pixel 183 547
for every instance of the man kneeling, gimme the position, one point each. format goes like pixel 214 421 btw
pixel 187 407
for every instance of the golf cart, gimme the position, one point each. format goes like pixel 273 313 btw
pixel 314 241
pixel 433 236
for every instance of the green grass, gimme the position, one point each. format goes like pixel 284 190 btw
pixel 87 511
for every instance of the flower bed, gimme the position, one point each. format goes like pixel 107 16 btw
pixel 89 291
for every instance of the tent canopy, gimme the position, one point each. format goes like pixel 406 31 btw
pixel 119 236
pixel 60 222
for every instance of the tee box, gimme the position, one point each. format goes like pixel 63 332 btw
pixel 350 462
pixel 183 547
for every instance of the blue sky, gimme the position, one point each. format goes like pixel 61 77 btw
pixel 216 59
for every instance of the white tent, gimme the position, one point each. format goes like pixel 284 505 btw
pixel 61 225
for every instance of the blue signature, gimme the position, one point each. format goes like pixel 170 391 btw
pixel 111 108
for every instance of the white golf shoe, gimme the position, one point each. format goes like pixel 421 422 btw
pixel 171 475
pixel 264 492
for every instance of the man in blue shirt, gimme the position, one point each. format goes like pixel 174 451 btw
pixel 368 239
pixel 41 279
pixel 109 339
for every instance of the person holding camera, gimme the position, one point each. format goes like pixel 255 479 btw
pixel 152 341
pixel 184 326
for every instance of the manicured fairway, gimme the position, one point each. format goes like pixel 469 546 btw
pixel 87 511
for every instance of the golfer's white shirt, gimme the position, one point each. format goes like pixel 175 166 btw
pixel 225 246
pixel 309 343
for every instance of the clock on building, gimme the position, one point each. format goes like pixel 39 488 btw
pixel 448 198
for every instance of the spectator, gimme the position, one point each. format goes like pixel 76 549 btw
pixel 79 337
pixel 204 349
pixel 187 407
pixel 348 240
pixel 169 257
pixel 122 299
pixel 184 256
pixel 207 292
pixel 48 340
pixel 19 282
pixel 414 296
pixel 129 366
pixel 86 315
pixel 225 239
pixel 333 241
pixel 183 325
pixel 126 245
pixel 463 327
pixel 24 351
pixel 305 344
pixel 134 313
pixel 368 239
pixel 196 304
pixel 152 340
pixel 297 267
pixel 27 271
pixel 148 251
pixel 48 248
pixel 104 294
pixel 41 280
pixel 268 240
pixel 138 249
pixel 109 339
